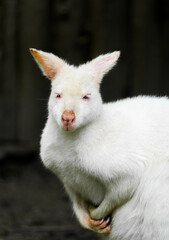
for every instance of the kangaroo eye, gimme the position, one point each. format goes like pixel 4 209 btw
pixel 58 95
pixel 86 97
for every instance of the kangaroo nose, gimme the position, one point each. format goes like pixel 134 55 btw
pixel 68 117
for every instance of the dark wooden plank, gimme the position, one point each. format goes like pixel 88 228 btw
pixel 163 19
pixel 70 31
pixel 33 33
pixel 108 29
pixel 146 49
pixel 8 92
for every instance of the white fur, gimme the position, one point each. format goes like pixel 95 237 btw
pixel 116 157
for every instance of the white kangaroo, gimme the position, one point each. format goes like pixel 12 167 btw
pixel 113 159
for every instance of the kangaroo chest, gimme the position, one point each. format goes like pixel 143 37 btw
pixel 68 166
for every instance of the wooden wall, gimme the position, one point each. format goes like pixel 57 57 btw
pixel 77 30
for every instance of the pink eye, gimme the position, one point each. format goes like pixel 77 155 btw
pixel 86 97
pixel 58 95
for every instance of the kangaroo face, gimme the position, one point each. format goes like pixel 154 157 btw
pixel 75 99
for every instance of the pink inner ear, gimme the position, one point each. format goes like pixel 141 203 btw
pixel 104 63
pixel 50 73
pixel 49 67
pixel 49 63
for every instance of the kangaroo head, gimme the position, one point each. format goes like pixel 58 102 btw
pixel 75 99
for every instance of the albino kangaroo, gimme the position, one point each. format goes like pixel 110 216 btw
pixel 113 159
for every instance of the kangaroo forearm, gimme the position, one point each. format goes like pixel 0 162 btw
pixel 114 197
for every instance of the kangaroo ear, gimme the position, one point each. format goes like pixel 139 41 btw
pixel 50 64
pixel 102 64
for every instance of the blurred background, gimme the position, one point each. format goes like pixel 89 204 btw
pixel 32 201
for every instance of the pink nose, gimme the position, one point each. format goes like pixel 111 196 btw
pixel 68 117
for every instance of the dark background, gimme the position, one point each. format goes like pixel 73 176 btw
pixel 76 30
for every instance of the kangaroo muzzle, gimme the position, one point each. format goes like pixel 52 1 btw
pixel 68 119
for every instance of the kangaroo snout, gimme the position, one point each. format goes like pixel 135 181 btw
pixel 68 118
